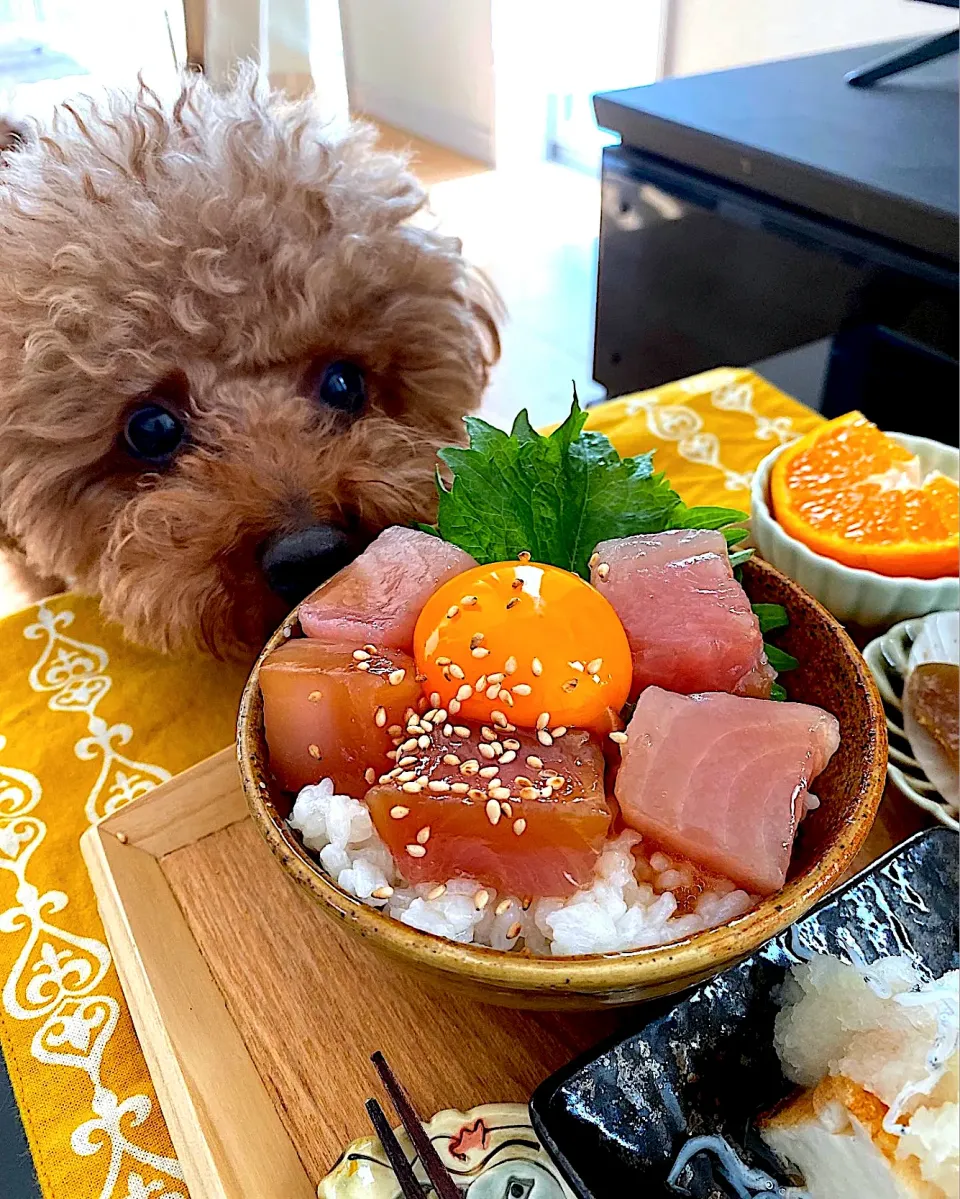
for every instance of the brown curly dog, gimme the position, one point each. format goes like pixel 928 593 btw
pixel 226 356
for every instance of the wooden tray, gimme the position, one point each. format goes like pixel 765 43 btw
pixel 257 1014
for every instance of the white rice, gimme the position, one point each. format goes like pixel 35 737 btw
pixel 630 905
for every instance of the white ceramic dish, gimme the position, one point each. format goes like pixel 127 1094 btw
pixel 860 597
pixel 889 658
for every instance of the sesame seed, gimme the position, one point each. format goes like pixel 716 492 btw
pixel 360 655
pixel 537 667
pixel 399 812
pixel 363 666
pixel 314 751
pixel 371 649
pixel 514 931
pixel 438 786
pixel 489 772
pixel 440 717
pixel 596 679
pixel 396 677
pixel 519 826
pixel 475 794
pixel 412 788
pixel 522 689
pixel 569 685
pixel 535 762
pixel 464 693
pixel 461 730
pixel 406 746
pixel 454 706
pixel 492 691
pixel 594 665
pixel 392 755
pixel 475 640
pixel 480 652
pixel 508 756
pixel 495 678
pixel 407 776
pixel 481 683
pixel 502 907
pixel 459 788
pixel 468 601
pixel 424 835
pixel 481 899
pixel 511 744
pixel 437 891
pixel 524 556
pixel 471 766
pixel 382 892
pixel 426 725
pixel 416 851
pixel 423 742
pixel 448 730
pixel 619 738
pixel 543 720
pixel 559 731
pixel 451 760
pixel 486 750
pixel 576 665
pixel 395 730
pixel 370 775
pixel 452 611
pixel 456 671
pixel 513 603
pixel 556 781
pixel 544 737
pixel 407 760
pixel 496 747
pixel 521 780
pixel 594 559
pixel 380 719
pixel 506 698
pixel 500 792
pixel 488 734
pixel 510 666
pixel 493 811
pixel 529 792
pixel 315 696
pixel 442 661
pixel 435 698
pixel 498 718
pixel 602 571
pixel 507 810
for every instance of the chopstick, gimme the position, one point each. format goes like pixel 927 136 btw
pixel 436 1171
pixel 409 1187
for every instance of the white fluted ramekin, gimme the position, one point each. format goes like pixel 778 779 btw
pixel 860 597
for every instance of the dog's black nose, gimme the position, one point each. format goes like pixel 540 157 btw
pixel 295 563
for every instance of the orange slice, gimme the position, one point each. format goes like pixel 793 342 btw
pixel 851 493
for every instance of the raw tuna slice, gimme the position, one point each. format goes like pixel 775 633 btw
pixel 723 779
pixel 484 811
pixel 320 712
pixel 688 620
pixel 378 597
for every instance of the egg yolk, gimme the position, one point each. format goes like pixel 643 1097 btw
pixel 533 642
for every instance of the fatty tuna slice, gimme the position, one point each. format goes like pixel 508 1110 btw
pixel 377 597
pixel 688 621
pixel 723 779
pixel 320 712
pixel 526 828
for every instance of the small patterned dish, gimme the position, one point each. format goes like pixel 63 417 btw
pixel 491 1151
pixel 889 658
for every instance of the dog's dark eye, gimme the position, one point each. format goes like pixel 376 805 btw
pixel 153 434
pixel 341 386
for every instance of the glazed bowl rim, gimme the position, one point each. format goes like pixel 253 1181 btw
pixel 760 508
pixel 590 974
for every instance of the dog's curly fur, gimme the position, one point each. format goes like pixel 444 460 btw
pixel 211 257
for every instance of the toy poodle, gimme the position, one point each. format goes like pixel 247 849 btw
pixel 228 356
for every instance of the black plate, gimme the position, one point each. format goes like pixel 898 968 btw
pixel 703 1062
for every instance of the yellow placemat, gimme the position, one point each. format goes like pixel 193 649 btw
pixel 88 722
